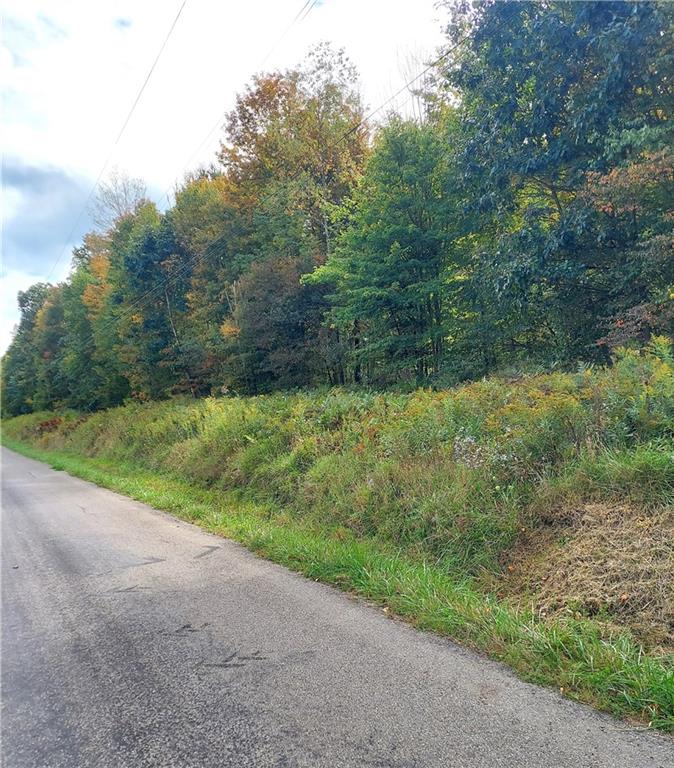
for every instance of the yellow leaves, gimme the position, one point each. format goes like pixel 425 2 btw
pixel 229 329
pixel 90 296
pixel 40 323
pixel 99 266
pixel 95 294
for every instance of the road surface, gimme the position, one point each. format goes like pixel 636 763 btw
pixel 132 639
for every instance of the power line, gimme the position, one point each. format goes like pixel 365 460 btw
pixel 405 87
pixel 302 14
pixel 309 6
pixel 149 74
pixel 308 9
pixel 117 140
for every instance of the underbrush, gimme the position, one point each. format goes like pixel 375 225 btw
pixel 421 501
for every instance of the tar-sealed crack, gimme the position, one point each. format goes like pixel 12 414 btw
pixel 235 660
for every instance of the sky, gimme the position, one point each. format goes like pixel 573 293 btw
pixel 70 71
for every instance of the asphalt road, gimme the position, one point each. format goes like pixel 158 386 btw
pixel 132 639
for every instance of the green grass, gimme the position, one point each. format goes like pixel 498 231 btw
pixel 576 656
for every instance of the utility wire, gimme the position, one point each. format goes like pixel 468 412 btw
pixel 117 140
pixel 308 11
pixel 405 87
pixel 303 12
pixel 149 74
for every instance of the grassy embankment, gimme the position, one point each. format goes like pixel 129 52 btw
pixel 532 519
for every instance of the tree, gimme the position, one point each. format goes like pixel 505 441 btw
pixel 18 363
pixel 303 126
pixel 636 200
pixel 149 295
pixel 295 146
pixel 90 363
pixel 551 93
pixel 51 387
pixel 213 231
pixel 121 195
pixel 274 328
pixel 395 257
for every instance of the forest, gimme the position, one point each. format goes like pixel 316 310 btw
pixel 522 220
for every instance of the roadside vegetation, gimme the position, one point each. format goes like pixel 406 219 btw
pixel 531 517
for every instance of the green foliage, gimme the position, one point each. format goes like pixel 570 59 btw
pixel 18 369
pixel 394 257
pixel 561 104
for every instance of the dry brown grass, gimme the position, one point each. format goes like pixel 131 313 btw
pixel 611 561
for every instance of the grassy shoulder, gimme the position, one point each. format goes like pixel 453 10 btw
pixel 532 519
pixel 612 674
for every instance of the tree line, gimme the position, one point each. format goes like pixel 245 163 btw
pixel 524 217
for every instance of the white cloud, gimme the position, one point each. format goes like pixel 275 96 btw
pixel 71 70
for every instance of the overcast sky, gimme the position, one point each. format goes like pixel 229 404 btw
pixel 71 70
